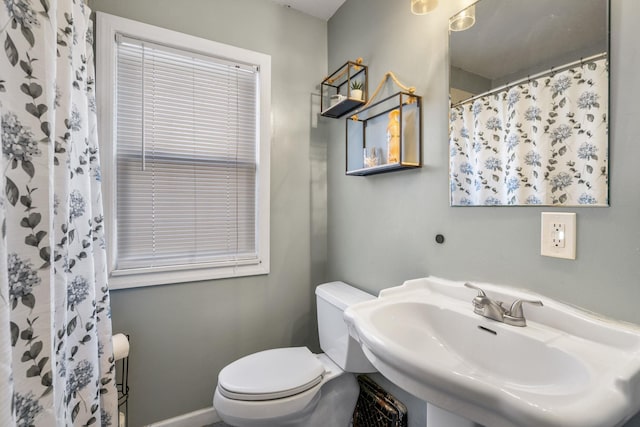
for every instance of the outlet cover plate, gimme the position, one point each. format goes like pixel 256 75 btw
pixel 558 235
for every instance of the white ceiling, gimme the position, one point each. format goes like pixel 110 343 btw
pixel 323 9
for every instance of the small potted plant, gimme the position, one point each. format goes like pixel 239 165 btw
pixel 356 90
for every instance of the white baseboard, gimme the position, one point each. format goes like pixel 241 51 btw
pixel 198 418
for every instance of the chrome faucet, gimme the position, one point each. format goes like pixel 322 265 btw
pixel 485 306
pixel 515 316
pixel 493 309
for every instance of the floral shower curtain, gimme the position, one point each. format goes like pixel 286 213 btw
pixel 56 357
pixel 541 142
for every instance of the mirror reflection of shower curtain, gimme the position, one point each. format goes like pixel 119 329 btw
pixel 56 357
pixel 540 142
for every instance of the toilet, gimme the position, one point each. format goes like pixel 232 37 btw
pixel 292 386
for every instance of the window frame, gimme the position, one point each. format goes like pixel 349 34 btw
pixel 107 27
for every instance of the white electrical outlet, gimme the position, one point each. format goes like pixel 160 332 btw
pixel 558 235
pixel 558 239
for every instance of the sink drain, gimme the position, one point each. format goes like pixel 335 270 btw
pixel 491 331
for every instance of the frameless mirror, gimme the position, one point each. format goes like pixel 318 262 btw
pixel 529 98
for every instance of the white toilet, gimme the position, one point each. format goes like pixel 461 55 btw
pixel 292 386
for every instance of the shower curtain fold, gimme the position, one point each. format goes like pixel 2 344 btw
pixel 56 356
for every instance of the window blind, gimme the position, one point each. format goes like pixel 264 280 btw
pixel 186 147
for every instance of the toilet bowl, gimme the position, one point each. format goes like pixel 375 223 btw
pixel 292 386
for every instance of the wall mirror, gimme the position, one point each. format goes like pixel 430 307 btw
pixel 529 91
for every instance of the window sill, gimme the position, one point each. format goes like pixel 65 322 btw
pixel 124 280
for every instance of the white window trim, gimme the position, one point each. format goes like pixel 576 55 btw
pixel 106 29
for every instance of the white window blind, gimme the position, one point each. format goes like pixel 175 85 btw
pixel 186 148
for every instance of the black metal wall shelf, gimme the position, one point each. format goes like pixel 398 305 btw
pixel 344 90
pixel 385 136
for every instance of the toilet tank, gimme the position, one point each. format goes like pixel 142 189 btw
pixel 332 299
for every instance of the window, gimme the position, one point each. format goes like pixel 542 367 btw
pixel 185 153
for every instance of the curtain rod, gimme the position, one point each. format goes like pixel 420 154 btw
pixel 535 76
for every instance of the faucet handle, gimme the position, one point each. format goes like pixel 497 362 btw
pixel 516 307
pixel 480 301
pixel 480 291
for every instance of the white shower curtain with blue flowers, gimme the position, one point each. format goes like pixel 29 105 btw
pixel 56 357
pixel 541 142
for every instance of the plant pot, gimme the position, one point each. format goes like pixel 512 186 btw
pixel 356 94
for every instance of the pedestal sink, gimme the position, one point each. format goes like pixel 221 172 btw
pixel 565 368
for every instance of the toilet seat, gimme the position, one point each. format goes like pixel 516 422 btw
pixel 271 374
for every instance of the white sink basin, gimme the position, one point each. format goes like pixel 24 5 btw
pixel 566 368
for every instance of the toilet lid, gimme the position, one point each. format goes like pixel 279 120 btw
pixel 271 374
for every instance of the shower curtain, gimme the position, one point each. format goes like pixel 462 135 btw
pixel 56 357
pixel 540 142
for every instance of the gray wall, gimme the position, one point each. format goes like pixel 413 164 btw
pixel 183 334
pixel 469 82
pixel 382 228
